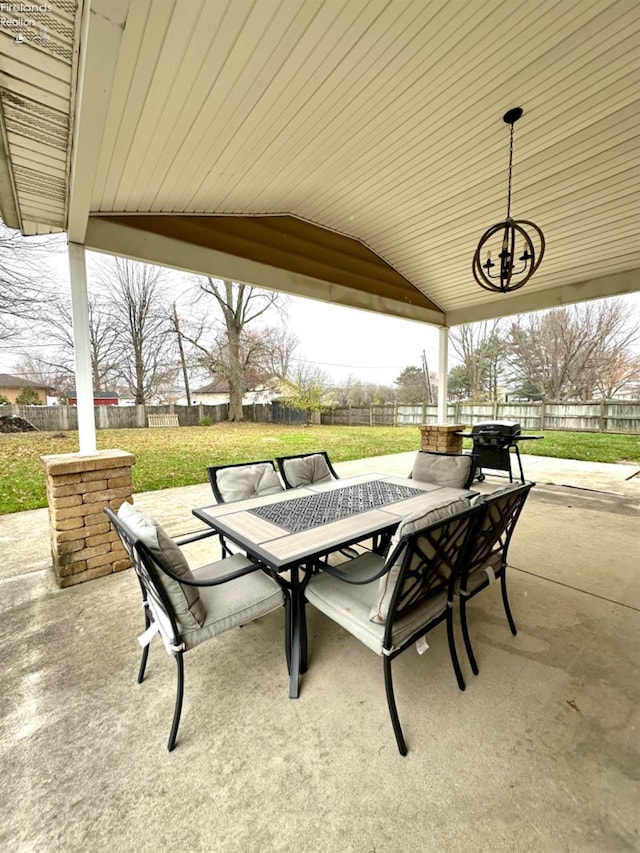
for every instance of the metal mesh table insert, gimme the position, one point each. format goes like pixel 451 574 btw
pixel 313 510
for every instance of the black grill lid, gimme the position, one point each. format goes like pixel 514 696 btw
pixel 503 428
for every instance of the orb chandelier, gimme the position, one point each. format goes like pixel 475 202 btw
pixel 510 271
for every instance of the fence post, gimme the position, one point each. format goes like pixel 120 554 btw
pixel 542 414
pixel 603 421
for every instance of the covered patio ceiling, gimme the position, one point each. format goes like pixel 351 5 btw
pixel 351 151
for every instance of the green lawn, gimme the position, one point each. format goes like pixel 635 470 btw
pixel 178 457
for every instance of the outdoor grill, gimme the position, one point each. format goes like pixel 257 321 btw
pixel 492 443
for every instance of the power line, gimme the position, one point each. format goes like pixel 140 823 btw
pixel 354 366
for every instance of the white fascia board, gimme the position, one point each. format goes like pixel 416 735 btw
pixel 102 28
pixel 10 212
pixel 104 236
pixel 602 287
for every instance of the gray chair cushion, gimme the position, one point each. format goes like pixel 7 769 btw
pixel 248 481
pixel 233 603
pixel 307 470
pixel 188 608
pixel 413 523
pixel 350 605
pixel 443 469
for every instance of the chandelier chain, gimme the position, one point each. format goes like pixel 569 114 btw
pixel 510 173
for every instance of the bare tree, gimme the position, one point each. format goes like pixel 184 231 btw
pixel 25 277
pixel 354 392
pixel 568 352
pixel 236 350
pixel 280 345
pixel 103 339
pixel 619 369
pixel 139 315
pixel 40 370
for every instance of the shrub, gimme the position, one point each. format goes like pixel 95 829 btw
pixel 28 397
pixel 204 422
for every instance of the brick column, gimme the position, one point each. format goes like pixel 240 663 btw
pixel 441 437
pixel 79 485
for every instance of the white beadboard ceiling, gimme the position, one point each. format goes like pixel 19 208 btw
pixel 380 120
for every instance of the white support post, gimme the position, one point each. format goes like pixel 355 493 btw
pixel 443 373
pixel 82 348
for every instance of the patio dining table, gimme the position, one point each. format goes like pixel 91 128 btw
pixel 296 528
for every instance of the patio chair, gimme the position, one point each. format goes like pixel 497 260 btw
pixel 187 608
pixel 487 559
pixel 242 480
pixel 455 470
pixel 306 469
pixel 389 603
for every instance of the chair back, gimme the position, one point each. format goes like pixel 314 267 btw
pixel 154 595
pixel 303 469
pixel 425 558
pixel 501 511
pixel 455 470
pixel 244 480
pixel 168 586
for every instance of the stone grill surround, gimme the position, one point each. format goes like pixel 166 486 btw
pixel 83 543
pixel 441 437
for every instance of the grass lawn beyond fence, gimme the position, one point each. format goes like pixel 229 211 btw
pixel 179 456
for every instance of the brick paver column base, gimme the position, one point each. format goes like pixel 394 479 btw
pixel 441 437
pixel 83 543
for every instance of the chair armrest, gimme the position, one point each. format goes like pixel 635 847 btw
pixel 236 573
pixel 347 578
pixel 195 537
pixel 246 569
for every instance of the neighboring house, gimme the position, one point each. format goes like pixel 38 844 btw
pixel 629 391
pixel 12 386
pixel 216 393
pixel 100 398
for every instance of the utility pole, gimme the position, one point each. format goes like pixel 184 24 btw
pixel 181 350
pixel 427 378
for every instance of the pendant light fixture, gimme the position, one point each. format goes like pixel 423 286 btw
pixel 511 269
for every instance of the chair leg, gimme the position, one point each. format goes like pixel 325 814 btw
pixel 465 634
pixel 391 702
pixel 505 601
pixel 453 651
pixel 145 649
pixel 178 709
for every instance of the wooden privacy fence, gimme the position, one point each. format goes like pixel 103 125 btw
pixel 597 416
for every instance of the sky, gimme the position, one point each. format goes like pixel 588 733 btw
pixel 371 347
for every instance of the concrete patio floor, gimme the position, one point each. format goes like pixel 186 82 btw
pixel 540 753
